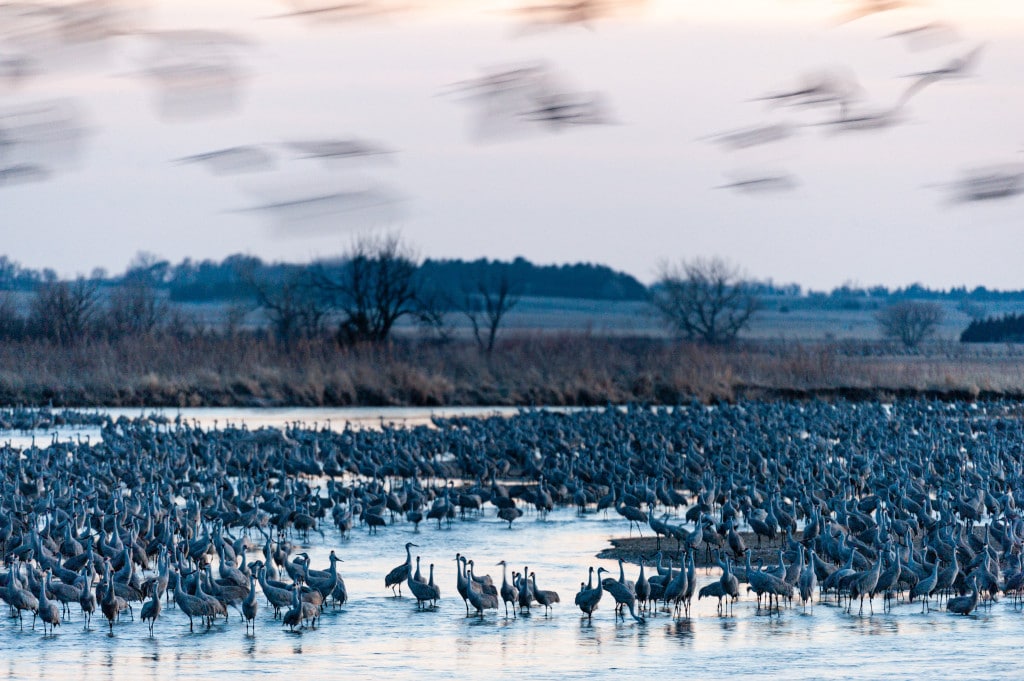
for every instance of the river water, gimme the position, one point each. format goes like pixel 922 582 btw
pixel 377 635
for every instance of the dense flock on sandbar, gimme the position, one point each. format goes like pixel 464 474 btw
pixel 912 501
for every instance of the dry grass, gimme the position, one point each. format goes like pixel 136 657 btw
pixel 566 369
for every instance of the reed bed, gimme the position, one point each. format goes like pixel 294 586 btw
pixel 532 369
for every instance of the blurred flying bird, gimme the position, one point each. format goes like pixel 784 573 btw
pixel 22 173
pixel 572 12
pixel 762 183
pixel 958 67
pixel 240 159
pixel 508 98
pixel 336 148
pixel 989 183
pixel 826 87
pixel 343 209
pixel 559 110
pixel 15 68
pixel 744 138
pixel 41 134
pixel 927 36
pixel 196 72
pixel 873 119
pixel 336 11
pixel 866 8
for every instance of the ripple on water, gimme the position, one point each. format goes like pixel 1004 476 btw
pixel 376 634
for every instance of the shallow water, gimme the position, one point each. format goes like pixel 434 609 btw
pixel 376 634
pixel 335 418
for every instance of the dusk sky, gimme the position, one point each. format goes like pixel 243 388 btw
pixel 92 133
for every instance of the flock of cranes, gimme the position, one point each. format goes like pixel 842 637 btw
pixel 912 501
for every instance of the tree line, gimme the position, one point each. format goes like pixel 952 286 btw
pixel 1008 328
pixel 380 282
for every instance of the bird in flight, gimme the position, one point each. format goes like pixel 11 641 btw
pixel 866 8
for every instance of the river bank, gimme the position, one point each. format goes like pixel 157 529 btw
pixel 541 369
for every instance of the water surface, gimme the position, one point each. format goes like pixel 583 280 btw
pixel 377 634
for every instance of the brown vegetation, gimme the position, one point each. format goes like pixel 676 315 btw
pixel 566 369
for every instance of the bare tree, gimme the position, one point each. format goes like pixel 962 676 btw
pixel 293 303
pixel 704 300
pixel 12 323
pixel 910 321
pixel 486 302
pixel 64 310
pixel 134 308
pixel 374 286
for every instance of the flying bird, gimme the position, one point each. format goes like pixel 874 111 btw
pixel 336 148
pixel 926 36
pixel 508 98
pixel 866 8
pixel 744 138
pixel 232 160
pixel 336 11
pixel 762 183
pixel 571 12
pixel 22 173
pixel 958 67
pixel 989 183
pixel 558 110
pixel 827 87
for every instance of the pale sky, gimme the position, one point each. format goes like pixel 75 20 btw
pixel 868 207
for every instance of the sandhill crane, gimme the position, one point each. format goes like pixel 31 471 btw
pixel 479 599
pixel 545 598
pixel 925 587
pixel 509 593
pixel 622 595
pixel 48 611
pixel 808 582
pixel 435 588
pixel 965 605
pixel 420 590
pixel 400 573
pixel 588 596
pixel 151 608
pixel 730 585
pixel 250 605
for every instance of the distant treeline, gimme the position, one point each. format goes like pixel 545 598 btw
pixel 1005 329
pixel 229 280
pixel 192 281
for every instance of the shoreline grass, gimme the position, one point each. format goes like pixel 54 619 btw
pixel 540 369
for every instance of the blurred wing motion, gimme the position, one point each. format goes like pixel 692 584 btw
pixel 336 148
pixel 232 160
pixel 40 135
pixel 522 97
pixel 927 36
pixel 762 183
pixel 369 206
pixel 325 10
pixel 563 109
pixel 959 67
pixel 866 8
pixel 822 88
pixel 22 173
pixel 196 72
pixel 989 183
pixel 745 138
pixel 572 12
